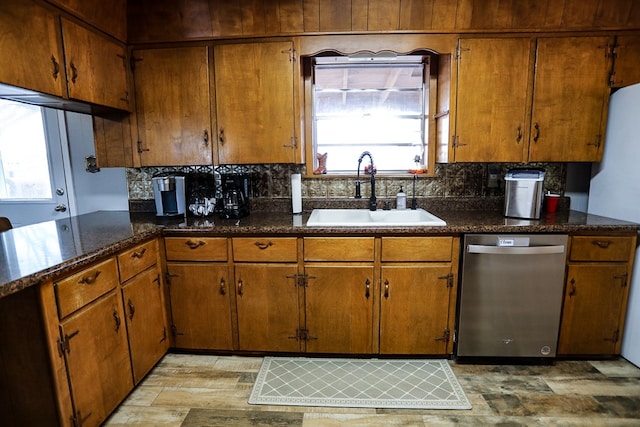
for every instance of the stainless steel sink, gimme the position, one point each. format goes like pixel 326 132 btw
pixel 367 218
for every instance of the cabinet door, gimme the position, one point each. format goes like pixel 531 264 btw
pixel 494 86
pixel 109 16
pixel 200 305
pixel 31 50
pixel 414 315
pixel 173 106
pixel 593 303
pixel 570 99
pixel 96 67
pixel 268 310
pixel 626 71
pixel 144 309
pixel 97 359
pixel 255 103
pixel 339 308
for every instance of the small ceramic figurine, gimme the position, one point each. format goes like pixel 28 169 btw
pixel 322 164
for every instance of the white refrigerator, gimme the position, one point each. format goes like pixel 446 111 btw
pixel 615 192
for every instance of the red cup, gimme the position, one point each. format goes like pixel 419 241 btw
pixel 551 202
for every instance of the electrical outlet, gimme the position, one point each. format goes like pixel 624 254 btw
pixel 492 181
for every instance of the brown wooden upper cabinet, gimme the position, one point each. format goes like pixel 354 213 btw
pixel 96 67
pixel 255 103
pixel 173 106
pixel 31 49
pixel 531 100
pixel 109 16
pixel 626 71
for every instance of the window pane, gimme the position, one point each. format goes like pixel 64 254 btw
pixel 375 107
pixel 369 102
pixel 24 165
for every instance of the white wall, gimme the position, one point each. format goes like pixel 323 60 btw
pixel 104 190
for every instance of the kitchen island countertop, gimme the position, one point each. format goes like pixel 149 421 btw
pixel 34 253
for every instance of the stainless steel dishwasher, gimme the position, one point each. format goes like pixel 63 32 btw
pixel 511 295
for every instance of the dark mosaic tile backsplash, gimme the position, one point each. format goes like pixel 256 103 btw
pixel 273 181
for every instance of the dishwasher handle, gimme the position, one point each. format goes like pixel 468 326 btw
pixel 515 250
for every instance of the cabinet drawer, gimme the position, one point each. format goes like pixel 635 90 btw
pixel 137 259
pixel 338 249
pixel 196 248
pixel 416 248
pixel 278 249
pixel 601 248
pixel 77 290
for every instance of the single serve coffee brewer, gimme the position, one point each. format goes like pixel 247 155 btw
pixel 169 194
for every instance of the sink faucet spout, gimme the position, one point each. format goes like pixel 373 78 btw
pixel 372 199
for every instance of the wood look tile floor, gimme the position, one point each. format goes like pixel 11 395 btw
pixel 199 390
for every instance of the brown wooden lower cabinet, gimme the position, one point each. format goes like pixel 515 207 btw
pixel 596 293
pixel 591 320
pixel 146 326
pixel 339 308
pixel 414 314
pixel 97 359
pixel 267 307
pixel 200 305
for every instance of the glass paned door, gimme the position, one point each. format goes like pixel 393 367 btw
pixel 32 180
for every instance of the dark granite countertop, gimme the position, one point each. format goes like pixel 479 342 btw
pixel 39 252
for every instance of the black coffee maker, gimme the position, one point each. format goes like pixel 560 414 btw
pixel 235 191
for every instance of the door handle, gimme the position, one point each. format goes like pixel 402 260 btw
pixel 515 250
pixel 60 208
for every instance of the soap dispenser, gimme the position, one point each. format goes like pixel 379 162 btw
pixel 401 199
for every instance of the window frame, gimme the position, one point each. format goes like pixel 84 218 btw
pixel 428 124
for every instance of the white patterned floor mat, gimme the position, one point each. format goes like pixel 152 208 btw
pixel 359 383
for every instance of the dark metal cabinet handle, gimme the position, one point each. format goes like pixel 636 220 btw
pixel 89 280
pixel 221 136
pixel 572 292
pixel 194 245
pixel 536 135
pixel 223 286
pixel 205 137
pixel 116 318
pixel 56 67
pixel 240 289
pixel 604 244
pixel 139 254
pixel 519 134
pixel 74 72
pixel 386 289
pixel 132 309
pixel 367 288
pixel 263 246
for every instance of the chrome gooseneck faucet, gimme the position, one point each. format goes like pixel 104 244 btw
pixel 372 200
